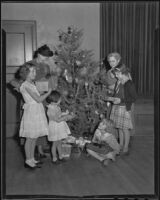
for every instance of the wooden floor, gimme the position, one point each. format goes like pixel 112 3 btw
pixel 82 176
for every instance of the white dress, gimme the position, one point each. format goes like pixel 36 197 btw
pixel 34 122
pixel 57 130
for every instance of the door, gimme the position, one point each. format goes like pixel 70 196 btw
pixel 20 45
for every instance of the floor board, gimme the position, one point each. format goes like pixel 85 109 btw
pixel 83 175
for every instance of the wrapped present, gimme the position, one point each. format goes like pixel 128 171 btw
pixel 42 86
pixel 70 139
pixel 66 150
pixel 81 142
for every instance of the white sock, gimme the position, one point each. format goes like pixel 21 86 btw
pixel 35 161
pixel 30 163
pixel 54 159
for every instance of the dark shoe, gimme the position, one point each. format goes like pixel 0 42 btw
pixel 38 162
pixel 125 153
pixel 62 160
pixel 57 162
pixel 29 167
pixel 105 162
pixel 41 156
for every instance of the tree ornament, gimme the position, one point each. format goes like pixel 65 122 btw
pixel 86 84
pixel 83 71
pixel 60 37
pixel 69 30
pixel 78 63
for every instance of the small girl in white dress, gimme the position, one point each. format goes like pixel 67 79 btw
pixel 34 122
pixel 58 128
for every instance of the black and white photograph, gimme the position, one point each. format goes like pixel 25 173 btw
pixel 80 100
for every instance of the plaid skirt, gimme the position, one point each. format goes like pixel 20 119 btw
pixel 120 117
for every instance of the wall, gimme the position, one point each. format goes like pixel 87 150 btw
pixel 51 17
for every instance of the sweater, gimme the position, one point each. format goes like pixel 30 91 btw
pixel 127 94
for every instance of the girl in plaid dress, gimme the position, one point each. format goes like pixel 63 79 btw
pixel 125 94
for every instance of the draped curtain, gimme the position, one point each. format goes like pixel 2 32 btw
pixel 129 28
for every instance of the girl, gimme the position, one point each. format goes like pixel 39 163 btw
pixel 104 145
pixel 58 128
pixel 43 74
pixel 34 121
pixel 125 94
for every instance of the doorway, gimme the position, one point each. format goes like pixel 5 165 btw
pixel 20 43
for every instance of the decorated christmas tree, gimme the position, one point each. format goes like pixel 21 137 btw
pixel 79 82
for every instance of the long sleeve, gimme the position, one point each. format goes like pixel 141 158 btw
pixel 130 94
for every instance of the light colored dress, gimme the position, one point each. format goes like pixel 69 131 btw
pixel 57 130
pixel 34 122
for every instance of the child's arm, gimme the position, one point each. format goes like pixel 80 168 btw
pixel 37 98
pixel 96 138
pixel 54 115
pixel 16 84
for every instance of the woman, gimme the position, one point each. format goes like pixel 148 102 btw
pixel 108 78
pixel 42 79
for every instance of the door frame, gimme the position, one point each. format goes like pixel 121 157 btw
pixel 33 25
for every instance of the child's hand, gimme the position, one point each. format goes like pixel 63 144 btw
pixel 49 90
pixel 17 89
pixel 67 112
pixel 73 115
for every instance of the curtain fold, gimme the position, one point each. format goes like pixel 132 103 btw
pixel 129 28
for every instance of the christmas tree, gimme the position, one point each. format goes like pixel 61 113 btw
pixel 79 82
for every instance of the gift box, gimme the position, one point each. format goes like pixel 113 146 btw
pixel 66 150
pixel 42 86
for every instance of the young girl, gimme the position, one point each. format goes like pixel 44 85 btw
pixel 125 94
pixel 58 128
pixel 104 145
pixel 34 122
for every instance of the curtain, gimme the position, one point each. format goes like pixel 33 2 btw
pixel 128 28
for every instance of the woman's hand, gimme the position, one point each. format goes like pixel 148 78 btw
pixel 117 100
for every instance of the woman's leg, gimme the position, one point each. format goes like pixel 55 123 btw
pixel 54 151
pixel 121 138
pixel 126 139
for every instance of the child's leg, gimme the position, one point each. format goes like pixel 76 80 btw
pixel 95 155
pixel 33 145
pixel 59 148
pixel 27 147
pixel 54 151
pixel 111 140
pixel 40 149
pixel 126 139
pixel 121 138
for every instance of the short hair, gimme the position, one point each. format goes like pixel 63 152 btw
pixel 25 69
pixel 53 97
pixel 116 55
